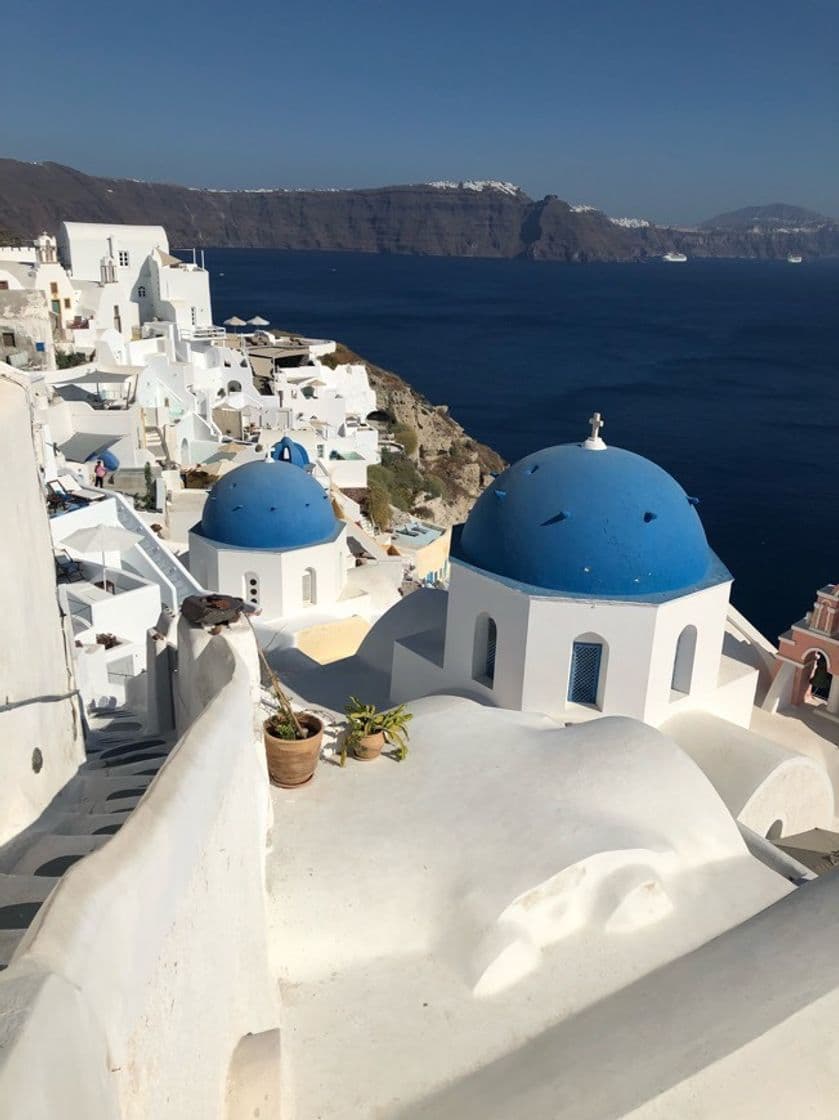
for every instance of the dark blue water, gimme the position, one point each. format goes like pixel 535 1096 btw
pixel 723 372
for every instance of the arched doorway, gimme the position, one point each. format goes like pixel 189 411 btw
pixel 818 675
pixel 683 661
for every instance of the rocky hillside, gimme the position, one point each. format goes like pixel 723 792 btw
pixel 442 470
pixel 443 219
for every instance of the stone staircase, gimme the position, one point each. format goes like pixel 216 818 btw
pixel 121 763
pixel 156 443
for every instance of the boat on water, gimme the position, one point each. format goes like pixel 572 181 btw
pixel 794 258
pixel 674 258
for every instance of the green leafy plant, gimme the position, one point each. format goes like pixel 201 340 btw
pixel 73 358
pixel 366 719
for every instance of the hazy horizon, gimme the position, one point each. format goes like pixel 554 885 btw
pixel 643 109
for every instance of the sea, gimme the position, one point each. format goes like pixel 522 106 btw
pixel 723 372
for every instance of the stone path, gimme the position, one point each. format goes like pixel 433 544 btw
pixel 121 762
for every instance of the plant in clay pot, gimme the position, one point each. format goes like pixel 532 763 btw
pixel 292 739
pixel 369 730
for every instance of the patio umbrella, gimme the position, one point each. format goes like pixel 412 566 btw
pixel 258 321
pixel 102 538
pixel 235 321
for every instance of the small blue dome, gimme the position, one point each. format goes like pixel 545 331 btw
pixel 109 460
pixel 590 522
pixel 287 451
pixel 268 505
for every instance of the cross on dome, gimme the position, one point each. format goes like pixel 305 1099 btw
pixel 594 442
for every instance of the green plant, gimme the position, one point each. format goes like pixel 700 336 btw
pixel 406 435
pixel 73 358
pixel 433 486
pixel 378 504
pixel 366 719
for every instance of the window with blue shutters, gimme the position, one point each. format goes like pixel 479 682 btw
pixel 584 680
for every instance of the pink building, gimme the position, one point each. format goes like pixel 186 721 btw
pixel 815 637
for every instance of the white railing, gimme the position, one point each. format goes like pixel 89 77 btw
pixel 173 576
pixel 196 334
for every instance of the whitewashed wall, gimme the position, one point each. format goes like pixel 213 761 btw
pixel 143 988
pixel 280 574
pixel 82 245
pixel 39 706
pixel 535 637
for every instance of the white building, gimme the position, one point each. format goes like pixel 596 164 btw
pixel 582 584
pixel 42 272
pixel 268 534
pixel 324 407
pixel 126 276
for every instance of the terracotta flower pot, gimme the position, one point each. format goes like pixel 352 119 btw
pixel 292 762
pixel 369 747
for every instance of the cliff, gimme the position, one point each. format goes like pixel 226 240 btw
pixel 444 469
pixel 777 215
pixel 443 219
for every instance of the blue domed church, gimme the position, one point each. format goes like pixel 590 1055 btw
pixel 269 535
pixel 582 584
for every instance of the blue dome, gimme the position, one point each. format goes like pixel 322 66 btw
pixel 268 505
pixel 583 522
pixel 287 451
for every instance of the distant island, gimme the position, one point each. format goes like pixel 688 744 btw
pixel 457 219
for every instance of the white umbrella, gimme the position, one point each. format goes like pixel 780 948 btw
pixel 258 321
pixel 102 538
pixel 235 321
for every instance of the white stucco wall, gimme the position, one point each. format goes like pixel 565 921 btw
pixel 143 988
pixel 535 638
pixel 279 574
pixel 39 704
pixel 82 245
pixel 179 290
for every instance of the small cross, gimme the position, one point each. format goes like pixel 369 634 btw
pixel 597 423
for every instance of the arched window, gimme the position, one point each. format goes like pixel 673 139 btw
pixel 251 580
pixel 585 679
pixel 310 587
pixel 683 661
pixel 484 649
pixel 234 386
pixel 141 292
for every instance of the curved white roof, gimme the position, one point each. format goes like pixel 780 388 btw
pixel 508 875
pixel 100 229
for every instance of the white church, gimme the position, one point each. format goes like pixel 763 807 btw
pixel 582 584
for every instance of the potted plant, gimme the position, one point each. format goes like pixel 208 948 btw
pixel 292 739
pixel 369 730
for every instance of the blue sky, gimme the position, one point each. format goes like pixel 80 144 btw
pixel 671 110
